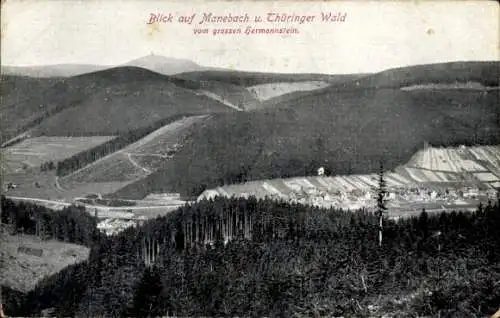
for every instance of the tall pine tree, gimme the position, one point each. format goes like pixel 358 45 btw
pixel 147 298
pixel 381 202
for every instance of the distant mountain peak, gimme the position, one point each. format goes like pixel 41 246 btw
pixel 153 58
pixel 165 65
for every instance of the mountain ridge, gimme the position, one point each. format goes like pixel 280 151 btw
pixel 25 108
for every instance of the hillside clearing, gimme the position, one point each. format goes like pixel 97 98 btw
pixel 135 161
pixel 22 271
pixel 32 152
pixel 267 91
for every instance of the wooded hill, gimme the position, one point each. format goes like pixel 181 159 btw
pixel 72 224
pixel 101 103
pixel 298 260
pixel 347 131
pixel 246 79
pixel 348 127
pixel 483 72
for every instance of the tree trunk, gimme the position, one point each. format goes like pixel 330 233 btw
pixel 380 231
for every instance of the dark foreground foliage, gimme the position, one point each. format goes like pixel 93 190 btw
pixel 72 224
pixel 282 260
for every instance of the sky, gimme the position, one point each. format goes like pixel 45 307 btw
pixel 374 36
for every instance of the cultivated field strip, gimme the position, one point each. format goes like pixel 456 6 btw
pixel 456 159
pixel 490 155
pixel 486 177
pixel 32 152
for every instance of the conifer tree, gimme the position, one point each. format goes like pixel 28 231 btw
pixel 147 298
pixel 381 202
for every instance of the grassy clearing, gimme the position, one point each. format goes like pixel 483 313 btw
pixel 273 90
pixel 32 152
pixel 21 271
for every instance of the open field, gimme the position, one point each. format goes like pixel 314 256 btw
pixel 238 106
pixel 22 271
pixel 489 156
pixel 457 85
pixel 458 160
pixel 142 209
pixel 117 168
pixel 32 152
pixel 230 94
pixel 44 185
pixel 271 90
pixel 164 140
pixel 32 183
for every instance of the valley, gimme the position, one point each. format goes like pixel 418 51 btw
pixel 223 140
pixel 185 159
pixel 154 167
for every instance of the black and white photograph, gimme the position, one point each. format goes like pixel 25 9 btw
pixel 250 159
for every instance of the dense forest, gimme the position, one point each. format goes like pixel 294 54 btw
pixel 248 257
pixel 86 157
pixel 72 224
pixel 349 132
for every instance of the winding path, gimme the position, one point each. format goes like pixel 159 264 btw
pixel 129 156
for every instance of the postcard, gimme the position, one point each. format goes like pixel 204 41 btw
pixel 250 158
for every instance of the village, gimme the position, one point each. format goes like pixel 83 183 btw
pixel 435 179
pixel 396 198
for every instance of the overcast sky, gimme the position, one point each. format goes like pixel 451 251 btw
pixel 375 36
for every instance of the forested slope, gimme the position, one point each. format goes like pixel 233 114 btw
pixel 298 260
pixel 107 102
pixel 245 79
pixel 346 131
pixel 72 224
pixel 484 72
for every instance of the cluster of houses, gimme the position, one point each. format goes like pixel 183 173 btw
pixel 366 198
pixel 112 222
pixel 357 199
pixel 115 226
